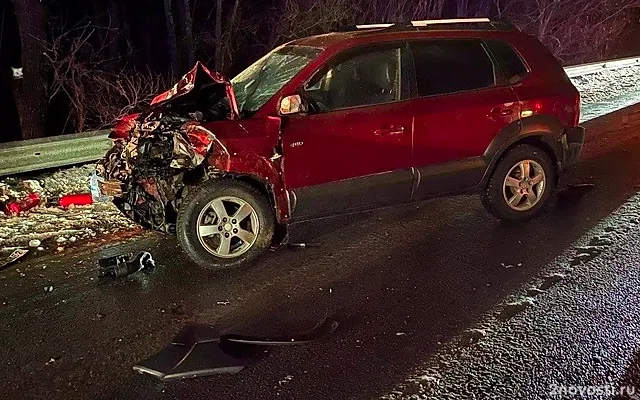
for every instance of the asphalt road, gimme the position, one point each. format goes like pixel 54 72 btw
pixel 405 283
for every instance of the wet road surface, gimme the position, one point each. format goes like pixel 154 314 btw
pixel 405 283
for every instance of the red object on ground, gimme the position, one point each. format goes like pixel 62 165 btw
pixel 31 201
pixel 84 199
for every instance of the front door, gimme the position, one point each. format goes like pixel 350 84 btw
pixel 352 151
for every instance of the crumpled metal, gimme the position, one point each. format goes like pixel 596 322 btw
pixel 153 150
pixel 198 78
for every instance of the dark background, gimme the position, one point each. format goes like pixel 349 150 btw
pixel 87 63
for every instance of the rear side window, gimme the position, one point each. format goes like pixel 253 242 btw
pixel 510 62
pixel 450 66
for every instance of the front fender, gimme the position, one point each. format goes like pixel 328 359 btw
pixel 261 169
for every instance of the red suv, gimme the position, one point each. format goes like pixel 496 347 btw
pixel 350 121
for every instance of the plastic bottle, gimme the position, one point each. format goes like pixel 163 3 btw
pixel 16 207
pixel 95 190
pixel 75 200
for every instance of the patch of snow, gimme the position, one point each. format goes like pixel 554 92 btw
pixel 45 223
pixel 608 91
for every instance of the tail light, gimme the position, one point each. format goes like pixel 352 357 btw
pixel 577 109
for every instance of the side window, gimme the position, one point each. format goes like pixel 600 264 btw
pixel 450 66
pixel 510 62
pixel 364 79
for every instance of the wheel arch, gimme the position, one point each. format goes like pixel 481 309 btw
pixel 267 191
pixel 543 131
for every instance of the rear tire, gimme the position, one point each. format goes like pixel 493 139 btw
pixel 221 241
pixel 522 184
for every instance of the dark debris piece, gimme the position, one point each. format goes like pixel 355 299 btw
pixel 199 350
pixel 126 264
pixel 7 259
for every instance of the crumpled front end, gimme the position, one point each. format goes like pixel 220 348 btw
pixel 158 152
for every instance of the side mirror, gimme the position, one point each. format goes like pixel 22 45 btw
pixel 292 105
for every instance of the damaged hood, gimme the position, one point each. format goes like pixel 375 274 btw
pixel 216 88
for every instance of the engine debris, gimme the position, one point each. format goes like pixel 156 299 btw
pixel 126 264
pixel 155 151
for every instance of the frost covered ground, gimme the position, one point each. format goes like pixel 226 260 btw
pixel 602 93
pixel 608 91
pixel 52 227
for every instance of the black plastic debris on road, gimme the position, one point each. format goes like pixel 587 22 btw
pixel 199 350
pixel 12 256
pixel 126 264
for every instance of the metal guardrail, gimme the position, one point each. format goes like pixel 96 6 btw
pixel 591 68
pixel 52 152
pixel 60 151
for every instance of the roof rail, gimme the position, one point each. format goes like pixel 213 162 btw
pixel 428 22
pixel 374 26
pixel 458 24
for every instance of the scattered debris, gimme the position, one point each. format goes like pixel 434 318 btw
pixel 48 221
pixel 155 152
pixel 286 380
pixel 51 361
pixel 199 350
pixel 223 303
pixel 401 334
pixel 48 288
pixel 69 200
pixel 12 257
pixel 16 207
pixel 297 245
pixel 126 264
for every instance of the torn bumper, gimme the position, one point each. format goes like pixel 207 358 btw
pixel 146 172
pixel 572 143
pixel 157 152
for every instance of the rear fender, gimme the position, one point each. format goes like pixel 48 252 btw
pixel 543 128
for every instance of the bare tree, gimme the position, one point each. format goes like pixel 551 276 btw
pixel 97 95
pixel 186 28
pixel 32 98
pixel 218 63
pixel 172 43
pixel 588 30
pixel 400 10
pixel 299 18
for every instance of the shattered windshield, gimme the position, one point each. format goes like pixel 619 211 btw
pixel 258 83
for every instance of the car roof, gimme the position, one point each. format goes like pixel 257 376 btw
pixel 366 36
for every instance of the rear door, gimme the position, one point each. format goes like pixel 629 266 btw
pixel 352 151
pixel 462 103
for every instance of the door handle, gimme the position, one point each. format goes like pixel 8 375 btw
pixel 500 112
pixel 389 131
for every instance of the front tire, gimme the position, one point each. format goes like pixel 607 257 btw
pixel 225 223
pixel 522 184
